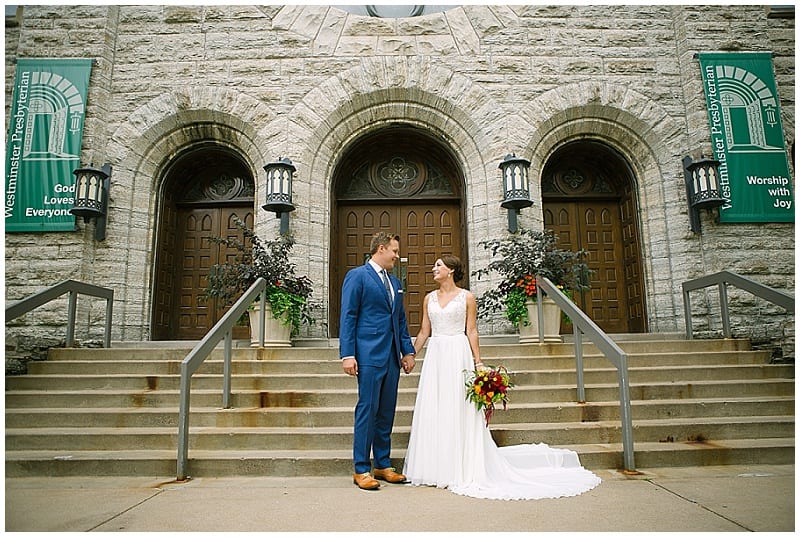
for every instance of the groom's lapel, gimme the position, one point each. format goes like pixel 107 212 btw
pixel 379 281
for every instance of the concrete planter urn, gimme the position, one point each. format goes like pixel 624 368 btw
pixel 277 332
pixel 552 322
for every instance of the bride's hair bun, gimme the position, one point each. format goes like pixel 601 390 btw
pixel 454 264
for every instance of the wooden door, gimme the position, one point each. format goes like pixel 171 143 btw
pixel 632 261
pixel 427 232
pixel 203 190
pixel 589 200
pixel 595 226
pixel 193 314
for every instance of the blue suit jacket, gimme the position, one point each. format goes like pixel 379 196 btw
pixel 369 322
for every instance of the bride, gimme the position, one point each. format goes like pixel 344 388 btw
pixel 450 445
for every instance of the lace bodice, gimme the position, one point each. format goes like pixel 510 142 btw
pixel 450 320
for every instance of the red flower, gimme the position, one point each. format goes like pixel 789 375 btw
pixel 528 284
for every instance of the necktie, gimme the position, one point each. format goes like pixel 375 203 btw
pixel 386 283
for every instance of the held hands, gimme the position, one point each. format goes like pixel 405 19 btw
pixel 351 367
pixel 408 363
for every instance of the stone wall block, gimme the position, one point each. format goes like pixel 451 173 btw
pixel 464 35
pixel 306 118
pixel 309 23
pixel 165 106
pixel 432 24
pixel 329 32
pixel 359 25
pixel 357 46
pixel 286 16
pixel 405 45
pixel 436 45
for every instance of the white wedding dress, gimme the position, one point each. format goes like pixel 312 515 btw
pixel 450 445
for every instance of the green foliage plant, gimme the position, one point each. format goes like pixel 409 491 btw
pixel 288 295
pixel 521 257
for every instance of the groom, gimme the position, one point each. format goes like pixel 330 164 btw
pixel 374 344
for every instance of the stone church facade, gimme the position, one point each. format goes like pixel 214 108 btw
pixel 187 104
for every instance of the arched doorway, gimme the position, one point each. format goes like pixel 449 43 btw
pixel 588 200
pixel 204 190
pixel 404 181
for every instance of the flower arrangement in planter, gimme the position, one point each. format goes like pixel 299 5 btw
pixel 288 295
pixel 524 256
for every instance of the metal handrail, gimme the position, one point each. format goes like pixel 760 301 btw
pixel 21 307
pixel 201 351
pixel 582 324
pixel 722 279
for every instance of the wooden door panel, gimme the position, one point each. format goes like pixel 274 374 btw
pixel 593 226
pixel 191 314
pixel 200 193
pixel 194 315
pixel 357 224
pixel 426 232
pixel 416 234
pixel 231 231
pixel 633 262
pixel 165 272
pixel 600 228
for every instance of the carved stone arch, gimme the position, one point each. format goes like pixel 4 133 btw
pixel 408 92
pixel 142 146
pixel 636 134
pixel 141 149
pixel 638 128
pixel 386 90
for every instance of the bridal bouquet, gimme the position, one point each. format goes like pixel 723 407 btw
pixel 488 387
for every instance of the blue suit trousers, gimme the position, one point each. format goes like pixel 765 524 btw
pixel 374 414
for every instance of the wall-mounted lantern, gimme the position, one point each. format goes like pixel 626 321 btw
pixel 702 187
pixel 91 196
pixel 516 187
pixel 279 190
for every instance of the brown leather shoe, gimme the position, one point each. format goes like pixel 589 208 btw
pixel 365 481
pixel 389 475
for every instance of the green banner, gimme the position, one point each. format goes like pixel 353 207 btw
pixel 44 143
pixel 747 137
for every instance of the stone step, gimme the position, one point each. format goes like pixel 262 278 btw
pixel 540 412
pixel 346 397
pixel 69 439
pixel 290 463
pixel 179 352
pixel 693 403
pixel 244 366
pixel 338 380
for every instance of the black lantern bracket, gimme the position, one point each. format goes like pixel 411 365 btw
pixel 279 190
pixel 702 187
pixel 516 187
pixel 92 186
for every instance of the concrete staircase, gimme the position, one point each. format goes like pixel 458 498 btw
pixel 114 412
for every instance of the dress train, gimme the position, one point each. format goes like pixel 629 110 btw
pixel 450 445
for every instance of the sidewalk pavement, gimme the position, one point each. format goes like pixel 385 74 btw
pixel 715 498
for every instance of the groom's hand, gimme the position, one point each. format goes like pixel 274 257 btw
pixel 350 366
pixel 408 363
